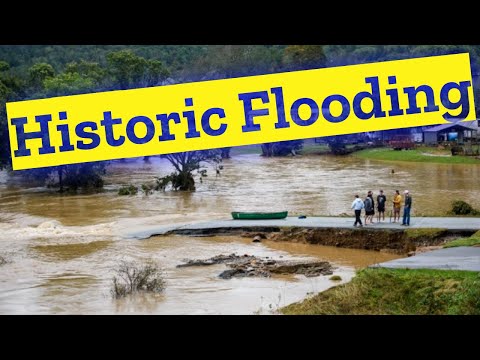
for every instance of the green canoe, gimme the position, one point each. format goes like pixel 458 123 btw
pixel 259 215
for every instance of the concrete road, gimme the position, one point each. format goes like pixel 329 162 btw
pixel 451 223
pixel 459 258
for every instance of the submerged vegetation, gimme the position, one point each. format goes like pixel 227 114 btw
pixel 282 148
pixel 128 190
pixel 398 292
pixel 187 165
pixel 132 277
pixel 69 178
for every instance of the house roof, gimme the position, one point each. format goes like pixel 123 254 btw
pixel 467 125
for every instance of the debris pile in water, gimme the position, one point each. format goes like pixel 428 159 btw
pixel 249 265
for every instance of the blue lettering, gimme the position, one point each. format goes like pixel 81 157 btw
pixel 81 133
pixel 131 130
pixel 374 96
pixel 42 134
pixel 190 116
pixel 326 108
pixel 164 121
pixel 412 99
pixel 314 112
pixel 206 122
pixel 66 143
pixel 393 93
pixel 108 123
pixel 249 112
pixel 282 122
pixel 464 101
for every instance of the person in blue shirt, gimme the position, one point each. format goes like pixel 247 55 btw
pixel 406 208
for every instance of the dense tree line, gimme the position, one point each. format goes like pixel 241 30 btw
pixel 36 71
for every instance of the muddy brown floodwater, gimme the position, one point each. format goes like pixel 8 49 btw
pixel 62 249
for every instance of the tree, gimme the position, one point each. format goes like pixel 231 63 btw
pixel 4 91
pixel 225 61
pixel 125 67
pixel 88 70
pixel 10 87
pixel 155 72
pixel 130 70
pixel 281 148
pixel 67 84
pixel 38 73
pixel 4 139
pixel 186 164
pixel 303 57
pixel 225 152
pixel 69 177
pixel 4 66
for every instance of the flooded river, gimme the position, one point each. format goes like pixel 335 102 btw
pixel 62 249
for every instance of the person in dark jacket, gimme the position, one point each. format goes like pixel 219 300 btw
pixel 381 201
pixel 369 208
pixel 407 208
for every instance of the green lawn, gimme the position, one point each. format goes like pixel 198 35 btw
pixel 416 155
pixel 423 233
pixel 398 292
pixel 471 241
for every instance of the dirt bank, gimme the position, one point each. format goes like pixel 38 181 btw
pixel 399 241
pixel 396 241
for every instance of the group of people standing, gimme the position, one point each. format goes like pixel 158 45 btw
pixel 369 205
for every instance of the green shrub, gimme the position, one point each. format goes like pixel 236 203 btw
pixel 460 207
pixel 148 189
pixel 128 190
pixel 132 277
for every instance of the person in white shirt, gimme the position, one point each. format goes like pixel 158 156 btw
pixel 357 205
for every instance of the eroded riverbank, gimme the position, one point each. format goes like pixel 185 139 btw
pixel 386 238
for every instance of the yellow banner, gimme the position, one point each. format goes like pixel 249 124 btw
pixel 240 111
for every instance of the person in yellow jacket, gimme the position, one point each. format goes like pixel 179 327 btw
pixel 397 204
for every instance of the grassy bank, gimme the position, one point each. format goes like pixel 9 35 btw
pixel 398 292
pixel 421 154
pixel 471 241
